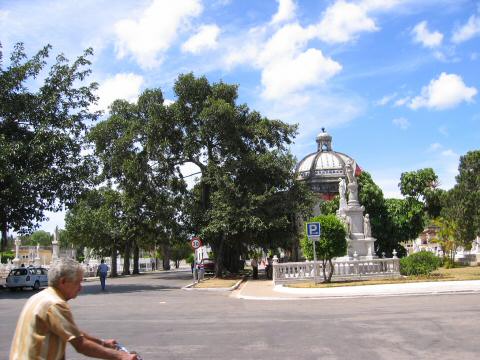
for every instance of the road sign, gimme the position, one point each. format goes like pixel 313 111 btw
pixel 313 230
pixel 196 242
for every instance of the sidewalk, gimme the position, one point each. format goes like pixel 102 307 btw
pixel 264 290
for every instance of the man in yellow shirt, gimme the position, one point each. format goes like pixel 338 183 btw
pixel 46 322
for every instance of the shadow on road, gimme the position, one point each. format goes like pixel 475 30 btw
pixel 94 289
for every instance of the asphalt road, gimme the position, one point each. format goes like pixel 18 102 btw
pixel 152 315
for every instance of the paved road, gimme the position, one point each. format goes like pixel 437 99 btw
pixel 151 314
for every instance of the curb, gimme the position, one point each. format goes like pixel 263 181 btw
pixel 231 288
pixel 372 291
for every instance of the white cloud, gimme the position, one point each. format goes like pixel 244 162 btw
pixel 423 36
pixel 402 101
pixel 120 86
pixel 286 11
pixel 386 99
pixel 467 31
pixel 401 122
pixel 434 147
pixel 343 21
pixel 204 39
pixel 151 35
pixel 286 76
pixel 445 92
pixel 449 153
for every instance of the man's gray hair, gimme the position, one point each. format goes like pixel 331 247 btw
pixel 67 268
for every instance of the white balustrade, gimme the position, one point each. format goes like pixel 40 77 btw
pixel 342 270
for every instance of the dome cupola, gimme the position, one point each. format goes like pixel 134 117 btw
pixel 322 170
pixel 324 141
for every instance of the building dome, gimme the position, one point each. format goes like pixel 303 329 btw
pixel 321 170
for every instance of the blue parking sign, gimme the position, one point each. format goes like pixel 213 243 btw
pixel 313 229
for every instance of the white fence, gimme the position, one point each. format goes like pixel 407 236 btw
pixel 284 273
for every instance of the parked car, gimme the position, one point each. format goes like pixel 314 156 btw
pixel 208 265
pixel 34 277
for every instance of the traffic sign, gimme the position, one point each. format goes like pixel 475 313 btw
pixel 196 242
pixel 313 229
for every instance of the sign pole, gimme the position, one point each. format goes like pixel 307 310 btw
pixel 196 243
pixel 313 234
pixel 194 269
pixel 314 262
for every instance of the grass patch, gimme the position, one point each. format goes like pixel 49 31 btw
pixel 214 282
pixel 441 274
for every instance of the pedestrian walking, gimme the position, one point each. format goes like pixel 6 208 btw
pixel 46 322
pixel 102 273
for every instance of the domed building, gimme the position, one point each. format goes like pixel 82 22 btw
pixel 322 169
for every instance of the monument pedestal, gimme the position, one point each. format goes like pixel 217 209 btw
pixel 358 241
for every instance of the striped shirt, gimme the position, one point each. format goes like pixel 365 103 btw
pixel 45 326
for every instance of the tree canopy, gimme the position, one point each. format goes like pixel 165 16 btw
pixel 332 243
pixel 42 133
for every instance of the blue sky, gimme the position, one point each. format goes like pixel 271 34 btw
pixel 394 82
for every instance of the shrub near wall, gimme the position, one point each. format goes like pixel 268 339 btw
pixel 420 263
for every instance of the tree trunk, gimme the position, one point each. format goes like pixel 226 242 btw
pixel 324 270
pixel 126 258
pixel 113 256
pixel 3 242
pixel 136 255
pixel 332 269
pixel 166 257
pixel 219 257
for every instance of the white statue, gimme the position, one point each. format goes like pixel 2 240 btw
pixel 367 229
pixel 350 172
pixel 352 184
pixel 342 188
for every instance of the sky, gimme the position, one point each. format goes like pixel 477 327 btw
pixel 393 81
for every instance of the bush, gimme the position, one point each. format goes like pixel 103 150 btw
pixel 6 256
pixel 421 263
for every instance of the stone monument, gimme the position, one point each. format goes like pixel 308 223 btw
pixel 16 261
pixel 55 246
pixel 360 240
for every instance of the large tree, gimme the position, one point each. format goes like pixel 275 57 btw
pixel 246 171
pixel 42 132
pixel 96 222
pixel 422 185
pixel 132 156
pixel 462 202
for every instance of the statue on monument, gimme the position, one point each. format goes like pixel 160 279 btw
pixel 367 229
pixel 342 189
pixel 352 184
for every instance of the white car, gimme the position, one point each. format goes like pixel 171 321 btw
pixel 34 277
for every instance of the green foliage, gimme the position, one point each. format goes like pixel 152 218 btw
pixel 420 263
pixel 180 251
pixel 332 242
pixel 330 206
pixel 448 237
pixel 416 183
pixel 7 256
pixel 38 237
pixel 42 133
pixel 386 226
pixel 422 185
pixel 247 195
pixel 462 201
pixel 96 221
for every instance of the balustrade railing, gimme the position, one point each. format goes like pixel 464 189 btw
pixel 342 270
